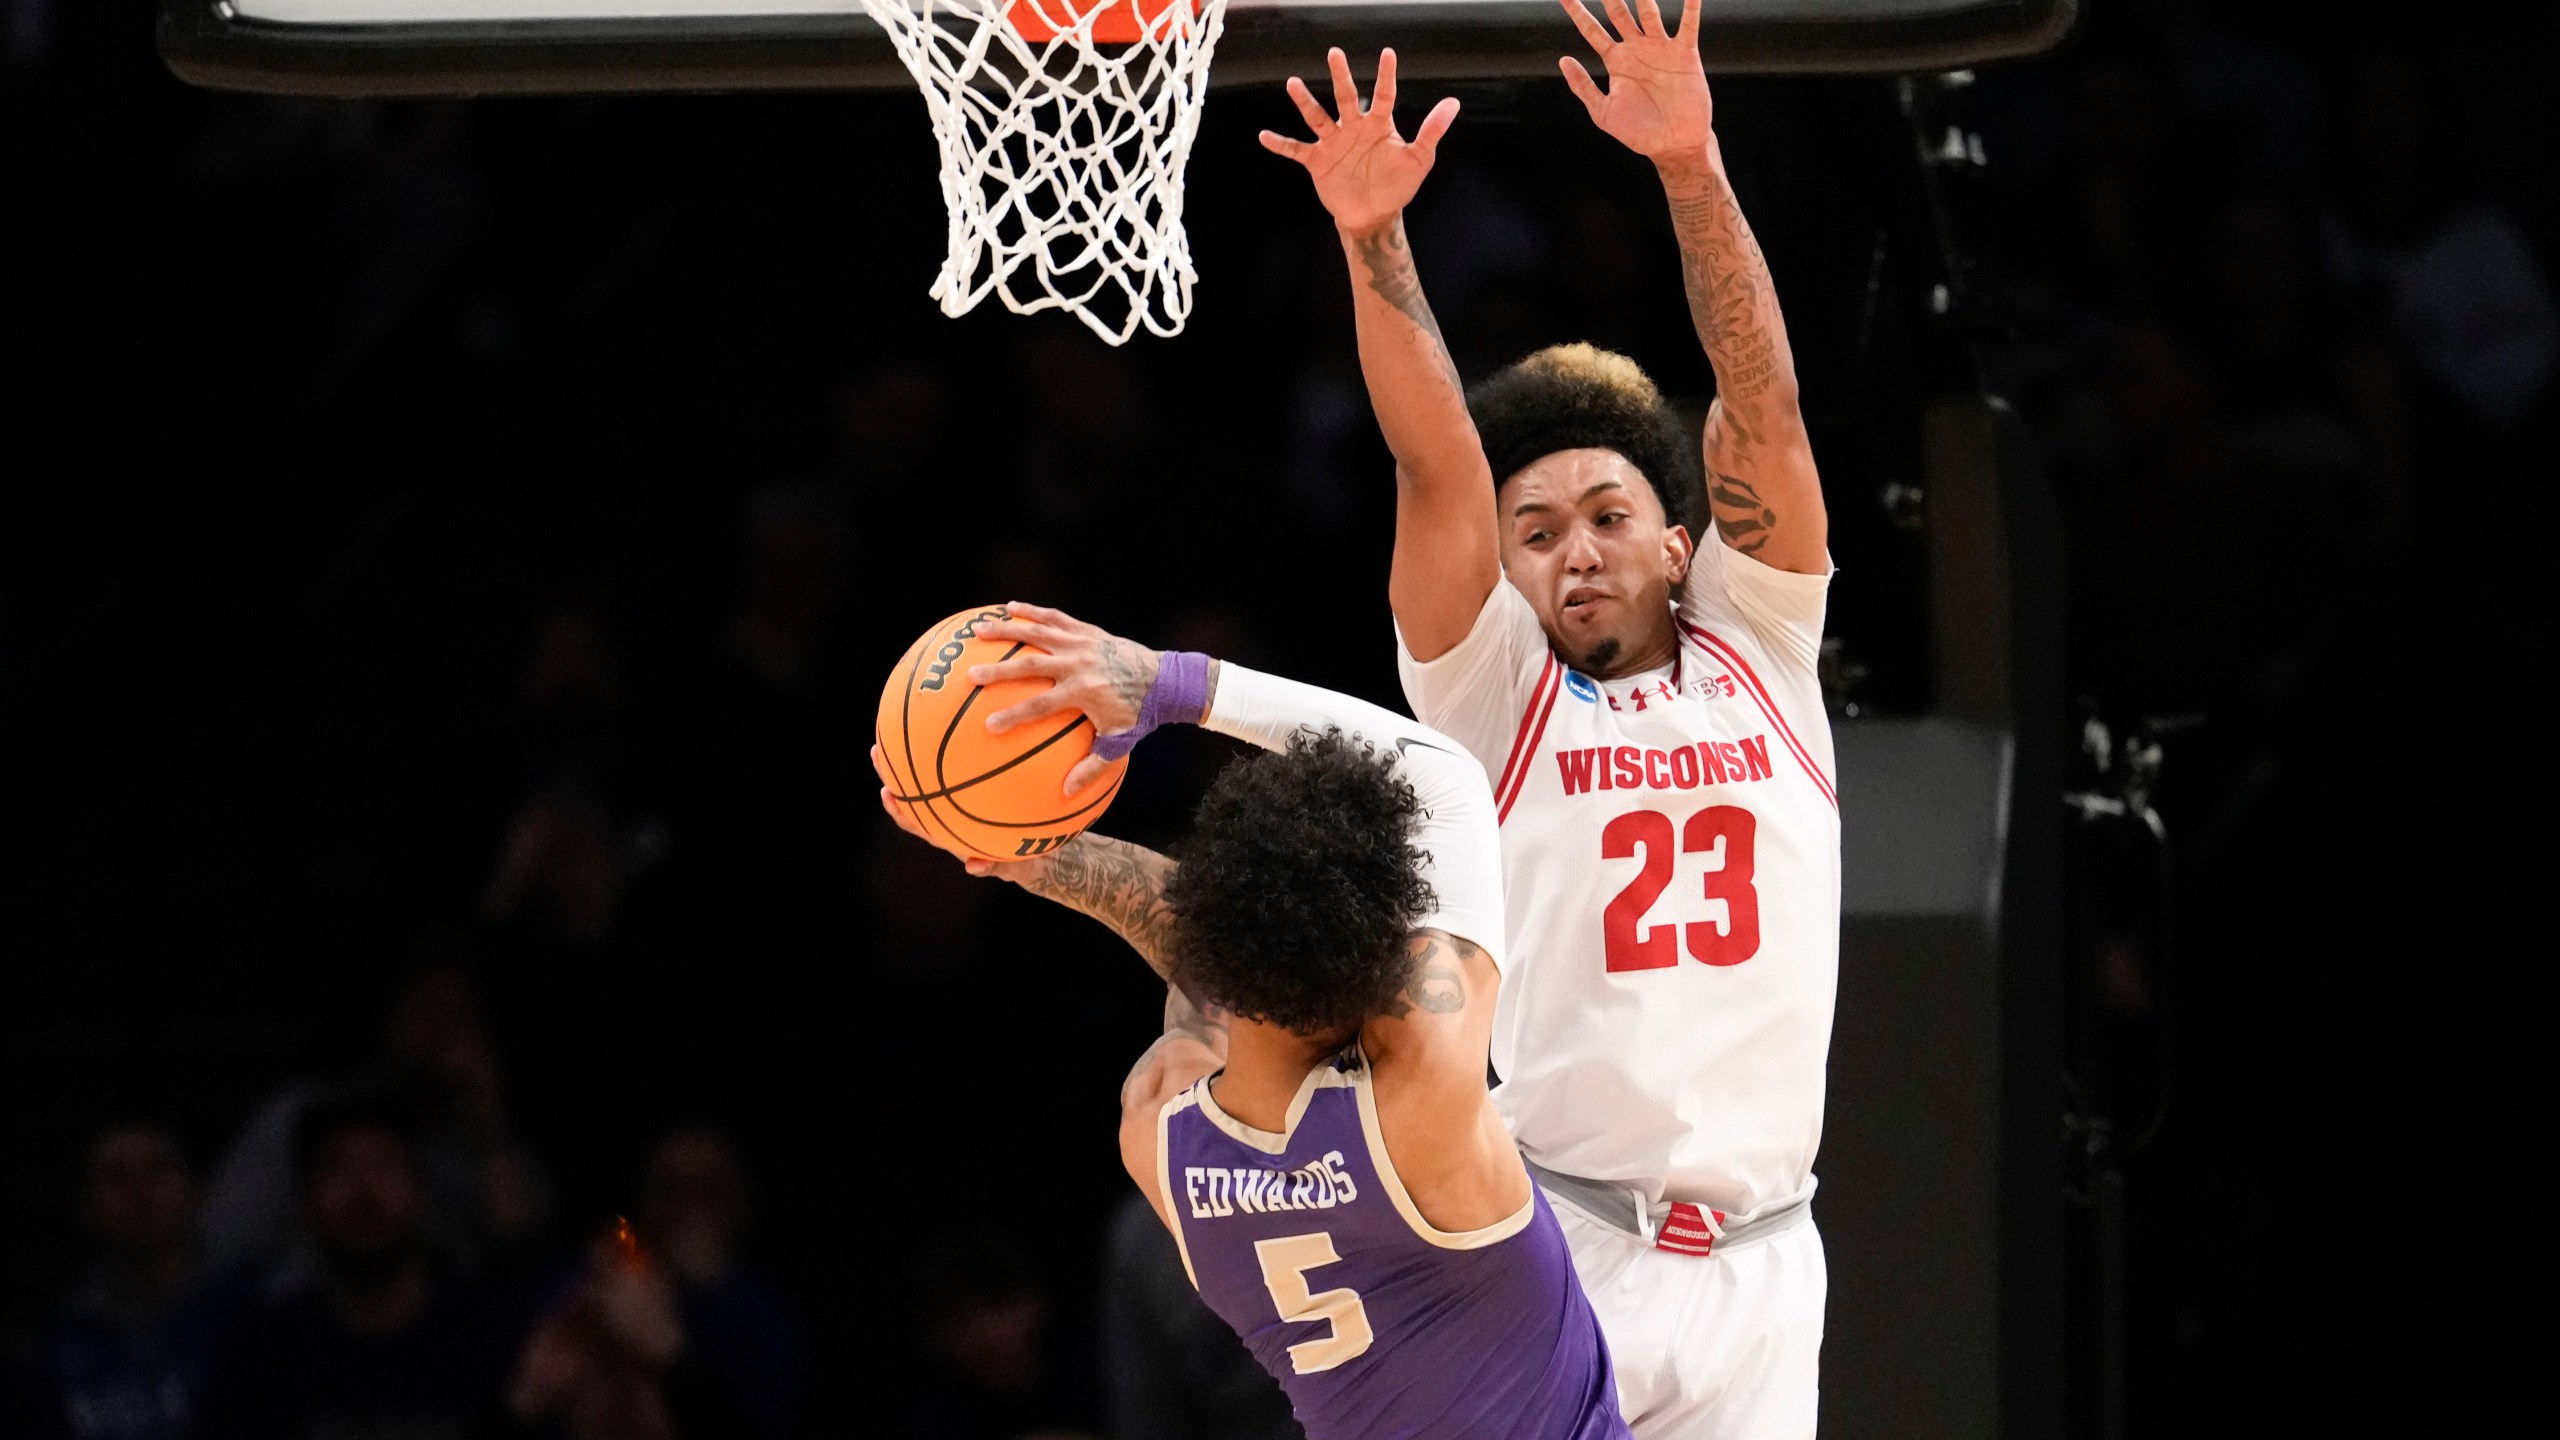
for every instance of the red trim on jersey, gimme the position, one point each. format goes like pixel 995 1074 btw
pixel 1688 1231
pixel 1520 737
pixel 1524 747
pixel 1768 707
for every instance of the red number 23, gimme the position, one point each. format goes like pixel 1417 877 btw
pixel 1632 946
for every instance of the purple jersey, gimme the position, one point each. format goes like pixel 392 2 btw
pixel 1376 1323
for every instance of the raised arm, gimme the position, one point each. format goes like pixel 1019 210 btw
pixel 1447 555
pixel 1115 882
pixel 1761 482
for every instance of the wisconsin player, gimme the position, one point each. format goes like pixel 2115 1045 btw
pixel 1650 713
pixel 1313 1126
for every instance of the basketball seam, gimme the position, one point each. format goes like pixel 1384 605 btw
pixel 944 748
pixel 947 791
pixel 977 819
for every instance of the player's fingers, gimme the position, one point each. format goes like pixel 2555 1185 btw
pixel 1020 667
pixel 1308 109
pixel 1584 88
pixel 880 767
pixel 1620 19
pixel 1649 14
pixel 1689 22
pixel 1087 770
pixel 1024 613
pixel 901 816
pixel 1382 95
pixel 1028 709
pixel 1346 91
pixel 1435 125
pixel 1282 145
pixel 1584 21
pixel 1026 632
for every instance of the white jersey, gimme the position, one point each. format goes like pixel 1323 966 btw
pixel 1671 852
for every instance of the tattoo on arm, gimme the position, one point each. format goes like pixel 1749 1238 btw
pixel 1126 671
pixel 1742 517
pixel 1389 261
pixel 1438 982
pixel 1119 884
pixel 1732 300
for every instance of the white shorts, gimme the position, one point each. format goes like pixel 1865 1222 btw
pixel 1718 1347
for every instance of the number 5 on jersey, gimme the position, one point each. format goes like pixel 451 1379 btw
pixel 1631 946
pixel 1286 1260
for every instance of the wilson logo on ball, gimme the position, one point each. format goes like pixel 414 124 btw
pixel 955 647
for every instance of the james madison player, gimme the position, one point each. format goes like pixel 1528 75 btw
pixel 1651 715
pixel 1313 1126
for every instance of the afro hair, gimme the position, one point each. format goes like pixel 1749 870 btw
pixel 1300 887
pixel 1574 397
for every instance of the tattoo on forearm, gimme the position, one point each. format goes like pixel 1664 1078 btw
pixel 1126 671
pixel 1389 261
pixel 1119 884
pixel 1742 517
pixel 1438 982
pixel 1732 300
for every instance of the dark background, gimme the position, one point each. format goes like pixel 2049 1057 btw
pixel 463 539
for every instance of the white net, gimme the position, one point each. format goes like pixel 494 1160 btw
pixel 1062 156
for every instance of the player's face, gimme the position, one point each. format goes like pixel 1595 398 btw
pixel 1584 537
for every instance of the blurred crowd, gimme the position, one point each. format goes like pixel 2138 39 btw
pixel 368 1258
pixel 374 1256
pixel 2290 319
pixel 471 992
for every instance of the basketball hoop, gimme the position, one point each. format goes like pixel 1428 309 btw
pixel 1064 126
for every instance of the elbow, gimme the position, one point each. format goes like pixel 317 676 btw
pixel 1772 420
pixel 1465 481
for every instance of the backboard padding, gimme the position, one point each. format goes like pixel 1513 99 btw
pixel 361 48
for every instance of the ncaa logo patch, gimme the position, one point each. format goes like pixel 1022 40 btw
pixel 1582 686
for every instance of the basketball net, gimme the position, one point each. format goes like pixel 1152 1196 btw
pixel 1064 126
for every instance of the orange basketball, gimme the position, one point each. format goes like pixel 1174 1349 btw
pixel 1002 797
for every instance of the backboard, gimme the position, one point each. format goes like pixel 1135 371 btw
pixel 354 48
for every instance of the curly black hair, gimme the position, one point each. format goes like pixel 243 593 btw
pixel 1572 397
pixel 1300 886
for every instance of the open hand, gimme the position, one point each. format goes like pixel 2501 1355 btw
pixel 1657 102
pixel 1365 172
pixel 1088 669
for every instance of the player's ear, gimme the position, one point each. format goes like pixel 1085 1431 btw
pixel 1677 552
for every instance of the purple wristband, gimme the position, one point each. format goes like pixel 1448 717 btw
pixel 1180 696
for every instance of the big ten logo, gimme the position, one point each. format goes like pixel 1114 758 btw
pixel 1040 845
pixel 957 646
pixel 1214 1191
